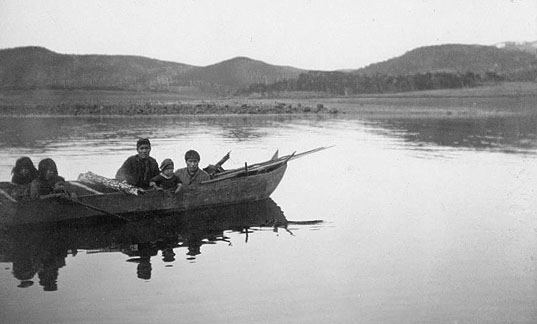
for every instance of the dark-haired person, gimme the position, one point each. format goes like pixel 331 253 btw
pixel 24 171
pixel 44 186
pixel 192 174
pixel 138 169
pixel 166 180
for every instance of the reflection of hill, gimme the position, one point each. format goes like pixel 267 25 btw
pixel 506 134
pixel 42 251
pixel 37 133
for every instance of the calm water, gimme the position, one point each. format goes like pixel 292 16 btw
pixel 424 221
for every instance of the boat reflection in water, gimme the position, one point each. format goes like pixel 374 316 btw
pixel 42 251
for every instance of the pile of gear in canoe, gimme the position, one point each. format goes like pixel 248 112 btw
pixel 139 172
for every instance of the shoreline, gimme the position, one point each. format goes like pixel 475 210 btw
pixel 367 113
pixel 500 99
pixel 170 109
pixel 376 110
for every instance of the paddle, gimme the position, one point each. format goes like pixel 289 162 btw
pixel 309 222
pixel 76 201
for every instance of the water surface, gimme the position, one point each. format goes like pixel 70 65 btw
pixel 424 221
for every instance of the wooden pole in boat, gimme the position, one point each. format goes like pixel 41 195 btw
pixel 271 161
pixel 217 168
pixel 97 209
pixel 309 222
pixel 253 168
pixel 223 160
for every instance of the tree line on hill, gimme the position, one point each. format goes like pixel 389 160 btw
pixel 343 83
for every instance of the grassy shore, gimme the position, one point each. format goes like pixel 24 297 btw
pixel 506 98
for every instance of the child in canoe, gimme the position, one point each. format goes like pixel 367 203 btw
pixel 166 180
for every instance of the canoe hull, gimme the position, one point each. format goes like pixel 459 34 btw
pixel 229 191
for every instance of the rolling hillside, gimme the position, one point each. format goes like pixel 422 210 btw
pixel 424 68
pixel 37 67
pixel 242 71
pixel 455 58
pixel 40 68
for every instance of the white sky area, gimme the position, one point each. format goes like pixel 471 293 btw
pixel 308 34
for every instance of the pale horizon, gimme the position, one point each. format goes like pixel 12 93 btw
pixel 310 35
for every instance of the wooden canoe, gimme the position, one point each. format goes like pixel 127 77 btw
pixel 245 186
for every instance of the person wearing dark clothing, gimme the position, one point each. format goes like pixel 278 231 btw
pixel 192 174
pixel 166 180
pixel 138 169
pixel 44 185
pixel 24 171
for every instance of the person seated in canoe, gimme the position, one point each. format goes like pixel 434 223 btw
pixel 138 169
pixel 45 185
pixel 192 174
pixel 23 173
pixel 166 180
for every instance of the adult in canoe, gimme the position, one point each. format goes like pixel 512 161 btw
pixel 23 174
pixel 44 186
pixel 192 174
pixel 24 171
pixel 138 169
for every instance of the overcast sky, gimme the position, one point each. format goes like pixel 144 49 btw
pixel 309 34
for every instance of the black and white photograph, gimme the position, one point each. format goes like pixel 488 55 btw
pixel 255 161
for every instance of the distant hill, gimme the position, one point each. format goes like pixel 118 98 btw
pixel 40 68
pixel 455 58
pixel 530 47
pixel 449 66
pixel 37 67
pixel 242 71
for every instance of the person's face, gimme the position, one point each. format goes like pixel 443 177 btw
pixel 24 171
pixel 192 165
pixel 143 151
pixel 168 171
pixel 49 174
